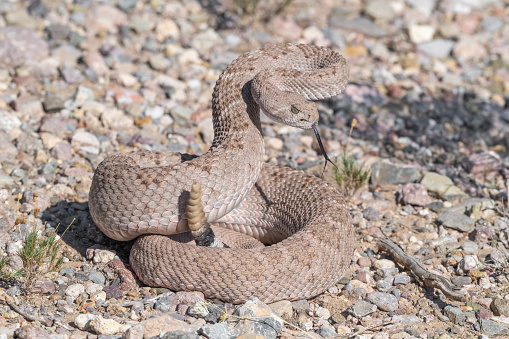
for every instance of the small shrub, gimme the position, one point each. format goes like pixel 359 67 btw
pixel 351 176
pixel 39 253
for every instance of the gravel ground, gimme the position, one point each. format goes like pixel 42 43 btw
pixel 429 89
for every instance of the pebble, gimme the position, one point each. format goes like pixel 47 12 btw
pixel 469 247
pixel 361 309
pixel 388 173
pixel 401 279
pixel 491 328
pixel 384 301
pixel 101 325
pixel 438 48
pixel 75 290
pixel 414 194
pixel 383 263
pixel 457 221
pixel 455 314
pixel 19 45
pixel 468 263
pixel 383 286
pixel 500 307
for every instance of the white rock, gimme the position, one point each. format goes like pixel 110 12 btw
pixel 105 326
pixel 322 313
pixel 468 263
pixel 103 256
pixel 421 33
pixel 75 290
pixel 82 321
pixel 384 263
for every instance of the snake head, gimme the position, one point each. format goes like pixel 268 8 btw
pixel 291 109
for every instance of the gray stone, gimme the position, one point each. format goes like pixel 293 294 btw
pixel 363 25
pixel 457 221
pixel 384 301
pixel 414 194
pixel 469 247
pixel 267 324
pixel 490 327
pixel 383 286
pixel 361 309
pixel 438 48
pixel 401 279
pixel 500 307
pixel 181 113
pixel 406 319
pixel 198 310
pixel 455 314
pixel 97 277
pixel 492 24
pixel 300 305
pixel 219 331
pixel 461 280
pixel 126 5
pixel 326 331
pixel 384 172
pixel 165 304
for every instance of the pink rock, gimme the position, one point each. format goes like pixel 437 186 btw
pixel 414 194
pixel 482 163
pixel 467 23
pixel 95 62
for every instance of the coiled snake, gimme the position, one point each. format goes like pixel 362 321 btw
pixel 303 219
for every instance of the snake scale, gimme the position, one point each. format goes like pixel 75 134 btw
pixel 303 221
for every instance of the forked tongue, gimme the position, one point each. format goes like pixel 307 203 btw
pixel 327 159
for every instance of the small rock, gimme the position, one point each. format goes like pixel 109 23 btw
pixel 153 327
pixel 326 331
pixel 283 308
pixel 82 321
pixel 219 331
pixel 490 327
pixel 401 279
pixel 468 263
pixel 393 174
pixel 364 262
pixel 361 309
pixel 421 33
pixel 384 263
pixel 438 48
pixel 74 290
pixel 482 234
pixel 406 319
pixel 384 301
pixel 455 314
pixel 461 280
pixel 20 45
pixel 469 247
pixel 101 325
pixel 198 310
pixel 414 194
pixel 500 307
pixel 483 313
pixel 485 163
pixel 31 331
pixel 383 286
pixel 457 221
pixel 267 324
pixel 440 184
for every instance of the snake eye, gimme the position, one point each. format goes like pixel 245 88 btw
pixel 294 109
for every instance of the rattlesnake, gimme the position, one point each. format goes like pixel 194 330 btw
pixel 305 220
